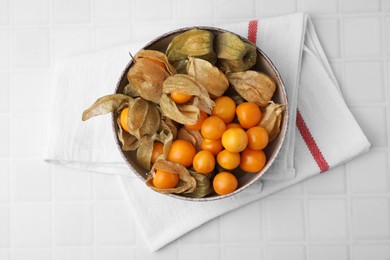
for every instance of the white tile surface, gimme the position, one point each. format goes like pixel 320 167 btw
pixel 27 84
pixel 4 48
pixel 5 90
pixel 5 134
pixel 34 230
pixel 31 180
pixel 71 185
pixel 324 252
pixel 48 212
pixel 27 254
pixel 4 181
pixel 285 252
pixel 285 220
pixel 243 225
pixel 371 218
pixel 115 224
pixel 362 252
pixel 327 219
pixel 73 254
pixel 363 6
pixel 364 81
pixel 73 224
pixel 31 48
pixel 71 11
pixel 30 12
pixel 5 231
pixel 362 37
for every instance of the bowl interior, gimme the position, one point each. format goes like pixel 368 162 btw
pixel 263 64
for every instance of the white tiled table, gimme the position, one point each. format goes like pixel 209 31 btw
pixel 343 214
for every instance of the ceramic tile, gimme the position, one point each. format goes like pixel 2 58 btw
pixel 23 144
pixel 387 35
pixel 199 252
pixel 5 231
pixel 242 252
pixel 285 252
pixel 327 219
pixel 71 11
pixel 30 12
pixel 194 10
pixel 363 252
pixel 35 230
pixel 235 9
pixel 369 173
pixel 361 6
pixel 109 36
pixel 5 134
pixel 28 254
pixel 266 8
pixel 242 225
pixel 168 252
pixel 4 255
pixel 25 86
pixel 31 180
pixel 325 252
pixel 5 89
pixel 364 81
pixel 116 253
pixel 4 49
pixel 73 224
pixel 357 46
pixel 371 218
pixel 285 219
pixel 112 11
pixel 73 254
pixel 4 12
pixel 320 7
pixel 162 10
pixel 114 224
pixel 70 184
pixel 70 42
pixel 31 48
pixel 4 181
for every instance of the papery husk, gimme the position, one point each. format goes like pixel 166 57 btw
pixel 128 141
pixel 143 118
pixel 130 91
pixel 192 43
pixel 208 75
pixel 192 136
pixel 234 53
pixel 144 152
pixel 106 104
pixel 148 73
pixel 187 113
pixel 253 86
pixel 271 119
pixel 187 183
pixel 203 186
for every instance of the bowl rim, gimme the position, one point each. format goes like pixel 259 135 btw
pixel 284 124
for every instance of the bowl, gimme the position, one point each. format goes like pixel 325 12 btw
pixel 263 64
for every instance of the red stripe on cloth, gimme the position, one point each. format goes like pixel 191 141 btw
pixel 252 31
pixel 311 143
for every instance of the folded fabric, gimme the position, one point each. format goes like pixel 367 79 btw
pixel 322 132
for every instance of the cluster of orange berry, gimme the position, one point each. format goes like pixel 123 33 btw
pixel 228 144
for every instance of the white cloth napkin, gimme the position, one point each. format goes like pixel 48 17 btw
pixel 322 132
